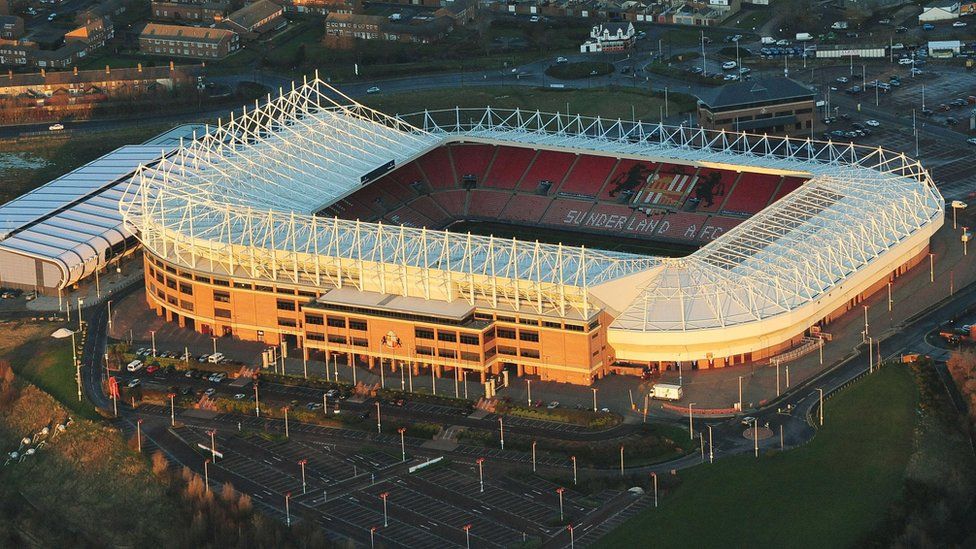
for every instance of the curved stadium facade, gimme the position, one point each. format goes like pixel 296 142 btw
pixel 318 222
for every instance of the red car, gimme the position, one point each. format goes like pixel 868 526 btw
pixel 152 368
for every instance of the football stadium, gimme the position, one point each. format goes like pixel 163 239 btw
pixel 314 222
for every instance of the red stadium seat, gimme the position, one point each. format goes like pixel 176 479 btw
pixel 681 226
pixel 509 167
pixel 408 217
pixel 629 175
pixel 548 166
pixel 715 227
pixel 588 175
pixel 487 204
pixel 750 194
pixel 472 159
pixel 426 206
pixel 529 208
pixel 788 185
pixel 438 168
pixel 451 202
pixel 711 189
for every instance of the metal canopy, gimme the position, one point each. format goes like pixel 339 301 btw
pixel 239 201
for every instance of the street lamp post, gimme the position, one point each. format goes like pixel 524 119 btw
pixel 870 355
pixel 172 409
pixel 560 491
pixel 528 387
pixel 386 517
pixel 257 405
pixel 206 475
pixel 574 470
pixel 533 455
pixel 214 345
pixel 288 508
pixel 76 363
pixel 711 453
pixel 302 462
pixel 372 532
pixel 403 444
pixel 821 406
pixel 80 303
pixel 379 422
pixel 621 460
pixel 740 393
pixel 467 536
pixel 109 314
pixel 152 335
pixel 594 398
pixel 501 432
pixel 286 421
pixel 691 425
pixel 213 444
pixel 139 435
pixel 654 478
pixel 931 268
pixel 865 321
pixel 481 473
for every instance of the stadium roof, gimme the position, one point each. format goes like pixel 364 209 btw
pixel 75 218
pixel 239 200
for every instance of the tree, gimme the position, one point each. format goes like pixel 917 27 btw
pixel 159 463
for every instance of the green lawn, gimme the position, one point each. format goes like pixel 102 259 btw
pixel 750 19
pixel 580 70
pixel 828 493
pixel 609 103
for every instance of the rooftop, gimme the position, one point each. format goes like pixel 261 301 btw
pixel 251 14
pixel 176 32
pixel 760 90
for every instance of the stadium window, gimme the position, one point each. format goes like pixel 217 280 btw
pixel 186 288
pixel 489 334
pixel 529 321
pixel 172 300
pixel 160 294
pixel 596 352
pixel 170 269
pixel 290 322
pixel 549 324
pixel 159 278
pixel 242 286
pixel 188 305
pixel 221 313
pixel 357 325
pixel 446 353
pixel 574 327
pixel 506 333
pixel 470 357
pixel 317 320
pixel 489 352
pixel 525 335
pixel 264 288
pixel 221 297
pixel 200 278
pixel 593 325
pixel 170 283
pixel 505 319
pixel 483 316
pixel 312 336
pixel 505 350
pixel 307 294
pixel 336 322
pixel 220 282
pixel 470 339
pixel 595 335
pixel 360 342
pixel 424 350
pixel 449 337
pixel 286 305
pixel 529 353
pixel 337 339
pixel 423 333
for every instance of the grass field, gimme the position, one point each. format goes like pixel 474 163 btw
pixel 573 238
pixel 828 493
pixel 609 103
pixel 43 361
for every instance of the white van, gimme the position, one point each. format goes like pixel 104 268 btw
pixel 215 358
pixel 134 366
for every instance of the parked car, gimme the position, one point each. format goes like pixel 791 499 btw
pixel 134 382
pixel 729 65
pixel 239 396
pixel 928 27
pixel 971 141
pixel 210 391
pixel 842 80
pixel 553 405
pixel 561 60
pixel 373 89
pixel 748 421
pixel 905 61
pixel 55 127
pixel 958 24
pixel 872 123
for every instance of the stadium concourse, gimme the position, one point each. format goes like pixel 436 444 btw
pixel 316 222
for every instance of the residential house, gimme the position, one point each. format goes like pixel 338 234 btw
pixel 321 7
pixel 255 19
pixel 184 41
pixel 189 11
pixel 460 11
pixel 779 105
pixel 610 37
pixel 108 82
pixel 78 43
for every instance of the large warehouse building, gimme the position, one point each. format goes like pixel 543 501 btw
pixel 320 223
